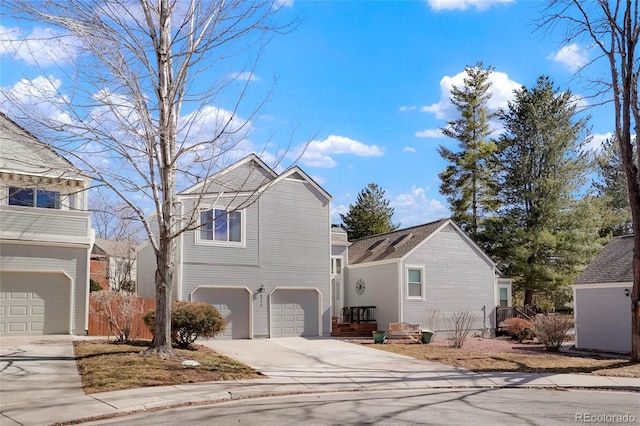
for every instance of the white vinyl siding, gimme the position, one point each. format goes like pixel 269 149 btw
pixel 458 277
pixel 37 271
pixel 286 243
pixel 602 318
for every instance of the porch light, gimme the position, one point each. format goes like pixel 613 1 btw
pixel 261 289
pixel 626 292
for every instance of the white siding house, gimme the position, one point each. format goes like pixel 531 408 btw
pixel 45 238
pixel 261 254
pixel 601 299
pixel 422 275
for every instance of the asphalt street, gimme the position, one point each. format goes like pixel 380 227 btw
pixel 415 407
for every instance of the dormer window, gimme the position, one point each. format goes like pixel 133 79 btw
pixel 30 197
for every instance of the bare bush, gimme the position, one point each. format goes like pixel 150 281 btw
pixel 459 324
pixel 118 309
pixel 552 330
pixel 520 328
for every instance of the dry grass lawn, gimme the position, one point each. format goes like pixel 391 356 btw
pixel 106 366
pixel 508 355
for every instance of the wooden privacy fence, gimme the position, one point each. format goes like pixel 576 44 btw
pixel 99 325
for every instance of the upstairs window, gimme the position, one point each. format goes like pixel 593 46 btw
pixel 221 225
pixel 28 197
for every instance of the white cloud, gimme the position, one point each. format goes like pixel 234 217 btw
pixel 595 144
pixel 336 211
pixel 40 96
pixel 502 88
pixel 415 207
pixel 245 76
pixel 571 56
pixel 318 153
pixel 480 5
pixel 408 108
pixel 408 149
pixel 43 46
pixel 430 133
pixel 283 3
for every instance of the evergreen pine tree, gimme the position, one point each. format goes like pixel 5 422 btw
pixel 467 182
pixel 535 233
pixel 611 188
pixel 370 215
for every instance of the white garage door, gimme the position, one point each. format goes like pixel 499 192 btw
pixel 294 313
pixel 234 306
pixel 34 303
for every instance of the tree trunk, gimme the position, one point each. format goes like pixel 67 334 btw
pixel 528 297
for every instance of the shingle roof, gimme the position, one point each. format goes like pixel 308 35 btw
pixel 612 265
pixel 392 245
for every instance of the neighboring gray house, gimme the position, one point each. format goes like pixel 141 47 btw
pixel 601 299
pixel 423 274
pixel 45 238
pixel 262 254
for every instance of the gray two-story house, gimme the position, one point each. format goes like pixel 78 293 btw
pixel 260 253
pixel 45 238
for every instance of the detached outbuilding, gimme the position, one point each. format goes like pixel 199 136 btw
pixel 602 303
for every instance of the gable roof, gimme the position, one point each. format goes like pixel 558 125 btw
pixel 22 153
pixel 612 265
pixel 392 245
pixel 227 181
pixel 297 173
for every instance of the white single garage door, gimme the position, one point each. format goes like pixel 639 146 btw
pixel 294 312
pixel 34 303
pixel 234 306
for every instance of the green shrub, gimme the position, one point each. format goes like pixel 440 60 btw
pixel 94 286
pixel 520 328
pixel 189 320
pixel 552 330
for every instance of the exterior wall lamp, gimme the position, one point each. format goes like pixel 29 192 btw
pixel 626 292
pixel 261 289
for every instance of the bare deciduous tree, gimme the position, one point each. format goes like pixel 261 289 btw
pixel 138 107
pixel 613 27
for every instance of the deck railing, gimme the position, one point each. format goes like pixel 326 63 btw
pixel 505 312
pixel 358 314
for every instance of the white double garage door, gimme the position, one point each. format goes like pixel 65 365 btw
pixel 291 312
pixel 34 303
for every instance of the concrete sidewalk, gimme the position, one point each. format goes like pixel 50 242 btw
pixel 39 383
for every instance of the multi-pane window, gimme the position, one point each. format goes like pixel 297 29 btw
pixel 29 197
pixel 221 225
pixel 414 283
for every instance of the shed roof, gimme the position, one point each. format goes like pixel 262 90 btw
pixel 612 265
pixel 392 245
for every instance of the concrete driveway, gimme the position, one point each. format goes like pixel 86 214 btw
pixel 309 360
pixel 40 372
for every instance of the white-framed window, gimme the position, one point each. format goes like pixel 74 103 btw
pixel 415 282
pixel 31 197
pixel 336 266
pixel 220 226
pixel 504 296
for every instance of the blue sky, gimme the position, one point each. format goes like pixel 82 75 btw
pixel 367 83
